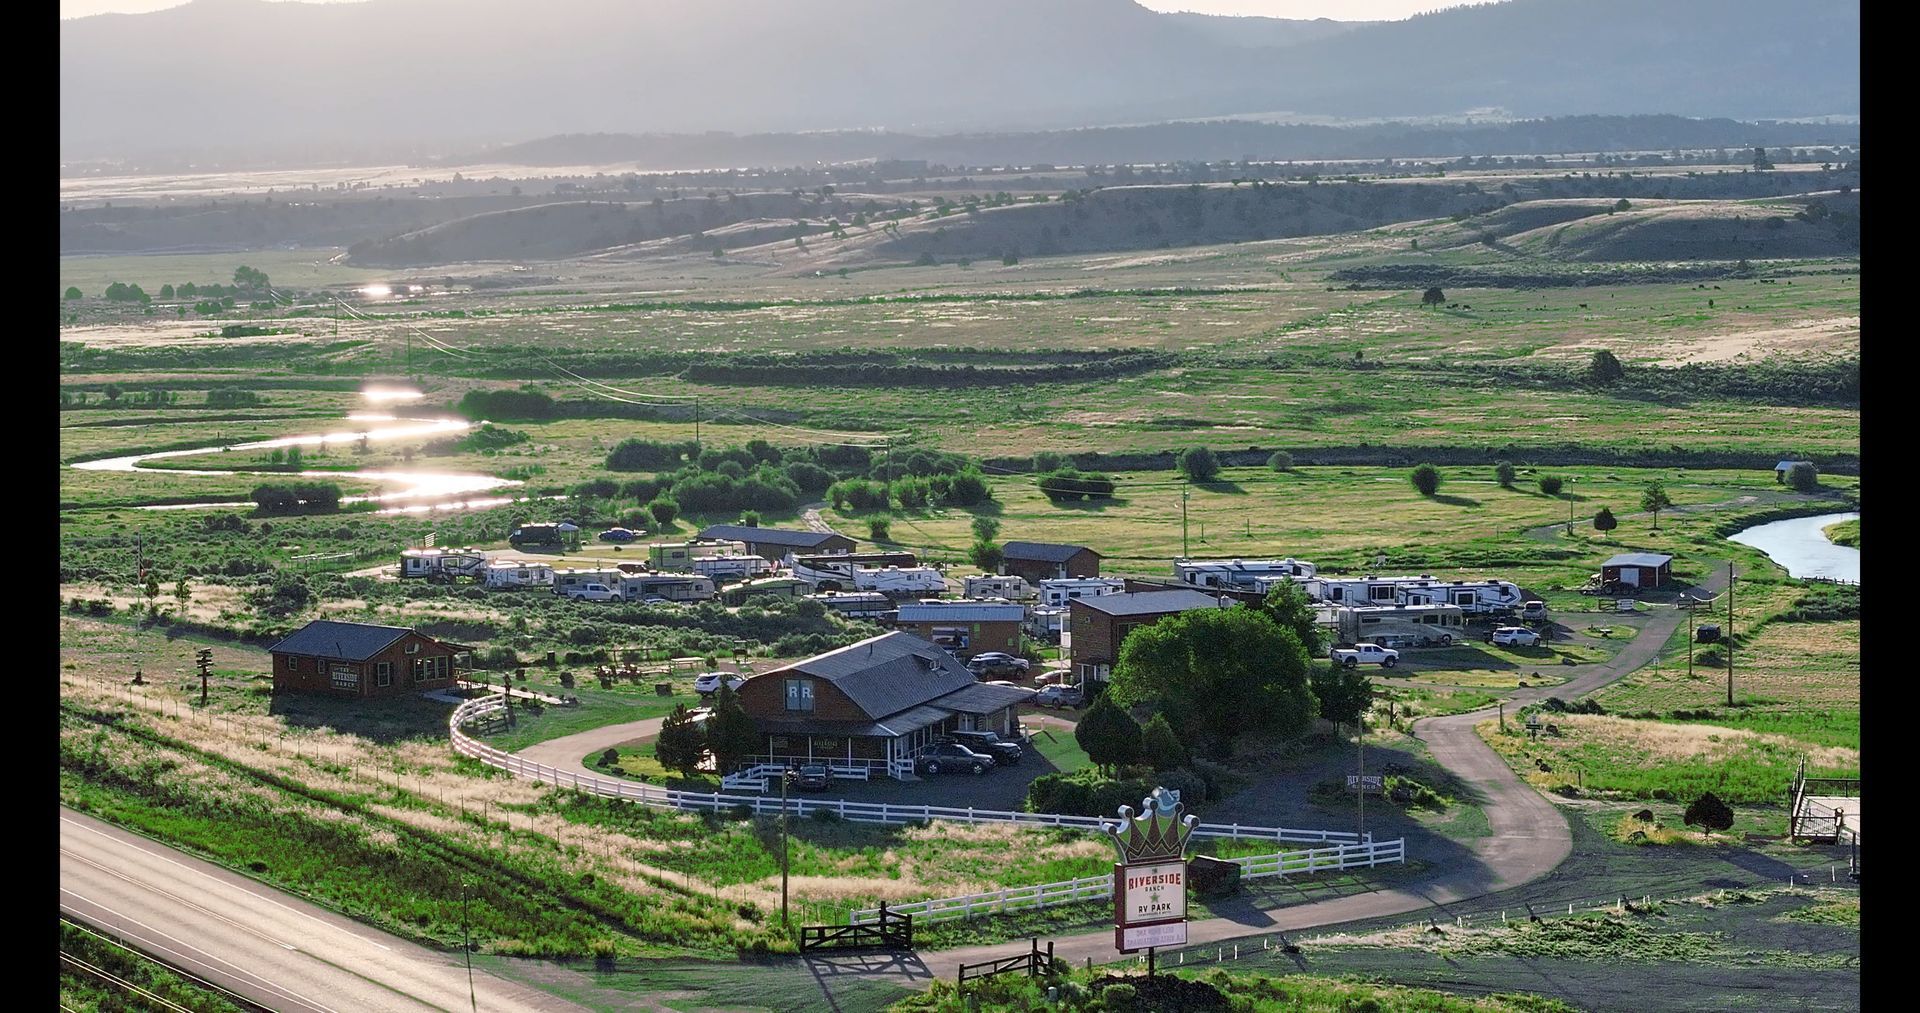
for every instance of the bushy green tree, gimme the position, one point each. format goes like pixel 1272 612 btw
pixel 1433 297
pixel 663 511
pixel 1288 606
pixel 1605 369
pixel 1802 477
pixel 1504 473
pixel 879 529
pixel 1604 520
pixel 1709 812
pixel 1160 747
pixel 731 734
pixel 1653 500
pixel 1426 478
pixel 1108 734
pixel 1280 461
pixel 680 743
pixel 986 555
pixel 73 292
pixel 1199 464
pixel 1219 672
pixel 985 528
pixel 1344 693
pixel 1550 484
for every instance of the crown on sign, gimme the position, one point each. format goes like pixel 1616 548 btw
pixel 1159 833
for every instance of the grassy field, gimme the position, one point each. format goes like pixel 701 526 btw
pixel 1844 533
pixel 90 963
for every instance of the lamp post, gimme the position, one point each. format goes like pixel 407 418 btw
pixel 466 943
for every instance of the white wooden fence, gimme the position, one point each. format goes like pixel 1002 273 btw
pixel 1020 898
pixel 857 812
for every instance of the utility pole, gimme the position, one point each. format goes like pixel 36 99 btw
pixel 1569 516
pixel 1360 738
pixel 1729 634
pixel 203 660
pixel 1690 608
pixel 786 778
pixel 1185 491
pixel 466 941
pixel 696 429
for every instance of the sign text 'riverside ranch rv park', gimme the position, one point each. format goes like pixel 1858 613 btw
pixel 1150 879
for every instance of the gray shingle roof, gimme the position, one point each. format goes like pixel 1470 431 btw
pixel 1046 552
pixel 887 674
pixel 1138 603
pixel 961 612
pixel 983 698
pixel 1788 465
pixel 1638 559
pixel 345 641
pixel 768 536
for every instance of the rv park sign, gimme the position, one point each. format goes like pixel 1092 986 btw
pixel 1150 879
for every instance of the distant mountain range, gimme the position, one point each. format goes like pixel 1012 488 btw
pixel 448 75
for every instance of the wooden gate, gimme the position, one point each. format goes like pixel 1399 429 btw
pixel 1034 962
pixel 892 931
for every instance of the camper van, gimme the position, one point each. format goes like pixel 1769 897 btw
pixel 670 586
pixel 1423 625
pixel 1059 591
pixel 1240 574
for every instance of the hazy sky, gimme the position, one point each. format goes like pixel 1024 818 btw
pixel 1342 10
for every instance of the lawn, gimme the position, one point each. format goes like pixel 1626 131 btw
pixel 1620 757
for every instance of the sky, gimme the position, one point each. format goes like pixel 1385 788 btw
pixel 1340 10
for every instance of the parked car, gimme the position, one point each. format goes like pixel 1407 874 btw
pixel 939 756
pixel 1364 654
pixel 1515 636
pixel 709 684
pixel 1533 611
pixel 1060 695
pixel 997 663
pixel 591 592
pixel 1707 633
pixel 621 535
pixel 1005 752
pixel 812 777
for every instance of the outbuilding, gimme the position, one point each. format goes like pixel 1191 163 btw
pixel 1638 569
pixel 1038 561
pixel 362 660
pixel 775 544
pixel 966 628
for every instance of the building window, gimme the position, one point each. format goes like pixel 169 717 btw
pixel 800 694
pixel 419 670
pixel 383 674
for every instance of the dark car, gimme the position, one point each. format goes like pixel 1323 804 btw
pixel 1005 752
pixel 933 759
pixel 812 777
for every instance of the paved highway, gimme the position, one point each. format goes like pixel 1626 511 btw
pixel 278 951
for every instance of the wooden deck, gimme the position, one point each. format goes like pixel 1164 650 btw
pixel 1824 816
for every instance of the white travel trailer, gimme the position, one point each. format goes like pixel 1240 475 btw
pixel 1479 596
pixel 1012 587
pixel 507 574
pixel 856 604
pixel 1240 574
pixel 1400 625
pixel 898 580
pixel 731 567
pixel 442 563
pixel 1061 590
pixel 670 586
pixel 563 580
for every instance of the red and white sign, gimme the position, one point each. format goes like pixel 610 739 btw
pixel 1149 905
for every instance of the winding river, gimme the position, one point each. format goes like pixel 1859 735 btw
pixel 402 491
pixel 1801 546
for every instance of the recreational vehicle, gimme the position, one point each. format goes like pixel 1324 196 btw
pixel 442 564
pixel 1424 625
pixel 1476 596
pixel 670 586
pixel 1012 588
pixel 564 579
pixel 776 587
pixel 1240 574
pixel 679 556
pixel 1060 591
pixel 856 604
pixel 506 574
pixel 730 567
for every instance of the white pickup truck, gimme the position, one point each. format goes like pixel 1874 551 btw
pixel 1364 654
pixel 591 592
